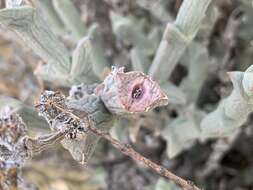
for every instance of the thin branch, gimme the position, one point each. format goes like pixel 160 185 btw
pixel 124 148
pixel 16 145
pixel 127 150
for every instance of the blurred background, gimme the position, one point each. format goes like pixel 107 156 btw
pixel 225 37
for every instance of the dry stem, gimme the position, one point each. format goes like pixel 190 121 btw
pixel 129 151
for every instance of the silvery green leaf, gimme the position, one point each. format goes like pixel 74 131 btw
pixel 157 9
pixel 247 81
pixel 206 28
pixel 196 51
pixel 162 184
pixel 129 31
pixel 171 47
pixel 81 57
pixel 81 68
pixel 53 18
pixel 237 106
pixel 49 72
pixel 197 58
pixel 100 177
pixel 217 124
pixel 177 37
pixel 99 60
pixel 155 36
pixel 245 29
pixel 183 131
pixel 123 28
pixel 30 26
pixel 70 17
pixel 119 129
pixel 139 60
pixel 82 148
pixel 174 147
pixel 247 2
pixel 190 16
pixel 28 114
pixel 13 3
pixel 231 112
pixel 175 95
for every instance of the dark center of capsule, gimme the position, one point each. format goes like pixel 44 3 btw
pixel 137 92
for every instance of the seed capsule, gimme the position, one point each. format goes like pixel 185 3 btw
pixel 131 92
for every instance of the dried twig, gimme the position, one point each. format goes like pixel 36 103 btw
pixel 127 150
pixel 16 145
pixel 87 124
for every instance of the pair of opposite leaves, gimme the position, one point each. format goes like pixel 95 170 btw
pixel 121 93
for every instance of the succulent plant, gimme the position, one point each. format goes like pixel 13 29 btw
pixel 75 57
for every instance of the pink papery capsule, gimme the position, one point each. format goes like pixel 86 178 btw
pixel 130 92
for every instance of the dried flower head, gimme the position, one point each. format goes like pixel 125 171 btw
pixel 75 114
pixel 53 106
pixel 8 176
pixel 131 92
pixel 11 177
pixel 12 150
pixel 12 130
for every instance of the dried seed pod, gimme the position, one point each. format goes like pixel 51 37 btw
pixel 12 130
pixel 8 175
pixel 74 113
pixel 11 177
pixel 12 151
pixel 131 92
pixel 53 108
